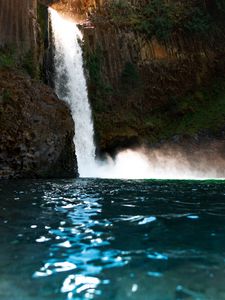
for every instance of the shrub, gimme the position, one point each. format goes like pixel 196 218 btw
pixel 99 88
pixel 28 64
pixel 197 22
pixel 7 58
pixel 161 18
pixel 130 76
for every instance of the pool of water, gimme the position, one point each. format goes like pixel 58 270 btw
pixel 112 239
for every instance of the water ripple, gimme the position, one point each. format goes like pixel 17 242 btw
pixel 102 239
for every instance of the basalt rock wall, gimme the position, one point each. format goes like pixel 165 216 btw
pixel 18 26
pixel 145 89
pixel 36 128
pixel 147 86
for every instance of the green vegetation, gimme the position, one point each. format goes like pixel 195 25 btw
pixel 200 110
pixel 161 18
pixel 198 21
pixel 98 88
pixel 6 95
pixel 94 67
pixel 42 15
pixel 120 6
pixel 28 64
pixel 14 59
pixel 219 6
pixel 149 109
pixel 130 77
pixel 5 98
pixel 7 58
pixel 157 19
pixel 203 110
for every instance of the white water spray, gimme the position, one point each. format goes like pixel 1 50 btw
pixel 71 86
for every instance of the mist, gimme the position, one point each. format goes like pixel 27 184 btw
pixel 166 162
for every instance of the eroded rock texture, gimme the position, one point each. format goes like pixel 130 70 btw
pixel 18 24
pixel 153 77
pixel 36 129
pixel 144 89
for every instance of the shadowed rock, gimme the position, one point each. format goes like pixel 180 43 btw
pixel 36 130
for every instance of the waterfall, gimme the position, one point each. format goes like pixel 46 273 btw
pixel 70 85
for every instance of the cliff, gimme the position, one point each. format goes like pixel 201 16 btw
pixel 20 32
pixel 18 26
pixel 36 128
pixel 155 70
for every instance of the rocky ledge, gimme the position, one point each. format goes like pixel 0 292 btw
pixel 36 130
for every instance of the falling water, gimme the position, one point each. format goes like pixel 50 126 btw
pixel 70 85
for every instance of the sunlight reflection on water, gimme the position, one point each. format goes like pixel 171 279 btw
pixel 112 239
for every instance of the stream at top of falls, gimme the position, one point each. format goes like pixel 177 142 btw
pixel 112 240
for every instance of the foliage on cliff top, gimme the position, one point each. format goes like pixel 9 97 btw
pixel 162 18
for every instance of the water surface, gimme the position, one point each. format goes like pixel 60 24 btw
pixel 112 239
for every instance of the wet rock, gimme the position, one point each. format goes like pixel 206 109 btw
pixel 30 149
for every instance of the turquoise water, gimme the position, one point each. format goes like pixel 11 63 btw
pixel 112 239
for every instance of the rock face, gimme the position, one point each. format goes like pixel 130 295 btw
pixel 36 139
pixel 144 89
pixel 18 23
pixel 152 76
pixel 36 128
pixel 20 31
